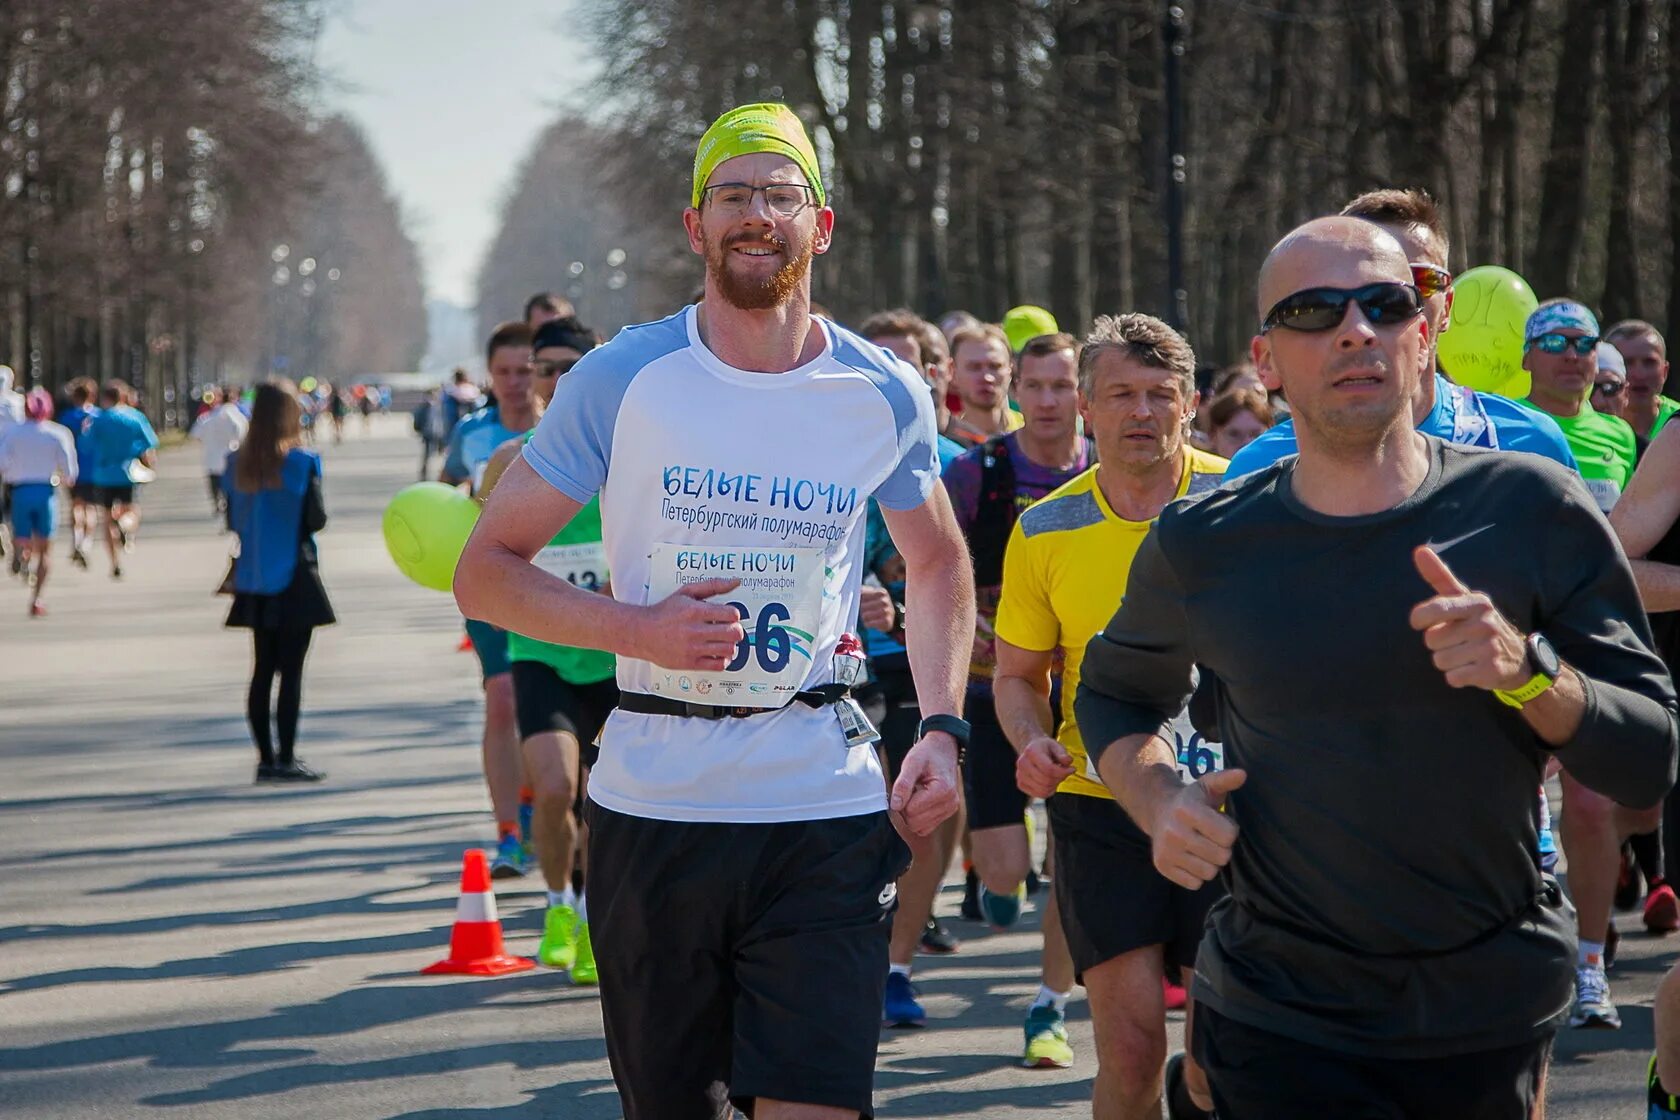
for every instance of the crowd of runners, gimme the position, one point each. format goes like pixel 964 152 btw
pixel 862 583
pixel 781 621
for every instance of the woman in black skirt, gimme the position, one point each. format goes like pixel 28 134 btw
pixel 273 486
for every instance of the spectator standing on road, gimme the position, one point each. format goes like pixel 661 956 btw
pixel 273 487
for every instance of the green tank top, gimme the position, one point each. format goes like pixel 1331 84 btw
pixel 1604 451
pixel 575 554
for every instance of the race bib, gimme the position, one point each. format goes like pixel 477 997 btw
pixel 1196 756
pixel 581 565
pixel 1605 492
pixel 780 604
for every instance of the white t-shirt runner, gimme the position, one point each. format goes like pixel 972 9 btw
pixel 708 471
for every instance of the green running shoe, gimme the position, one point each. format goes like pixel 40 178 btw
pixel 583 972
pixel 1047 1039
pixel 1659 1105
pixel 559 941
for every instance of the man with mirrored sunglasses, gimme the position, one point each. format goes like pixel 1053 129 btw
pixel 1560 352
pixel 1440 408
pixel 1404 631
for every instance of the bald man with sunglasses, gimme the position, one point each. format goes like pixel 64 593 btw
pixel 1439 408
pixel 1404 631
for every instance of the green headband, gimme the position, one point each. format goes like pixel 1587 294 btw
pixel 765 127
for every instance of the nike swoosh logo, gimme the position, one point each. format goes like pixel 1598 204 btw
pixel 1439 547
pixel 888 893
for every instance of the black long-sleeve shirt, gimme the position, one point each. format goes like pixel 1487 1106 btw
pixel 1386 896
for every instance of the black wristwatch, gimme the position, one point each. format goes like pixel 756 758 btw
pixel 954 726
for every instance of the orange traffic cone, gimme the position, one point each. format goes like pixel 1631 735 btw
pixel 475 944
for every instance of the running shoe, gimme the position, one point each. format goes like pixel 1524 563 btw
pixel 1047 1039
pixel 1177 1093
pixel 296 771
pixel 508 860
pixel 900 1008
pixel 1593 1009
pixel 265 771
pixel 583 970
pixel 1660 1104
pixel 116 571
pixel 1662 910
pixel 970 909
pixel 39 610
pixel 1003 910
pixel 559 939
pixel 1627 882
pixel 1173 995
pixel 527 813
pixel 79 558
pixel 937 939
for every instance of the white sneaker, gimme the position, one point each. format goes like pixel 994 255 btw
pixel 1593 1008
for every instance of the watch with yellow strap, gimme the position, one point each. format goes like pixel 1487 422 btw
pixel 1543 659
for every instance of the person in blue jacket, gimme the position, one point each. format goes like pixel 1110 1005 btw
pixel 273 487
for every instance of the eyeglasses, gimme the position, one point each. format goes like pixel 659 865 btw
pixel 733 200
pixel 553 367
pixel 1322 309
pixel 1429 280
pixel 1554 343
pixel 1609 388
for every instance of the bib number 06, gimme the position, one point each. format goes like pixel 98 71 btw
pixel 766 639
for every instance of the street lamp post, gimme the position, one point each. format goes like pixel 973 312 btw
pixel 1178 169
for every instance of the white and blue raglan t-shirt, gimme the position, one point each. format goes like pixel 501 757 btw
pixel 708 471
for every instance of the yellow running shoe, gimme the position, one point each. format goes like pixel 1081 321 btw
pixel 583 971
pixel 560 937
pixel 1047 1039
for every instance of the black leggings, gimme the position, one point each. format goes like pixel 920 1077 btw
pixel 277 651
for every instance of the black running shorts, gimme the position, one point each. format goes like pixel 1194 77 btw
pixel 109 496
pixel 543 701
pixel 741 960
pixel 1257 1075
pixel 993 798
pixel 1111 898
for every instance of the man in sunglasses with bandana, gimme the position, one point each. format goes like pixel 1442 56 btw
pixel 1560 352
pixel 1440 408
pixel 1403 631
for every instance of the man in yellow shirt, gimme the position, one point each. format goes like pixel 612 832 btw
pixel 1064 572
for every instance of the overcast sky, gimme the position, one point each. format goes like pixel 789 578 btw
pixel 451 93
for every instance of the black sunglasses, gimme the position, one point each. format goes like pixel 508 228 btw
pixel 1609 388
pixel 1322 309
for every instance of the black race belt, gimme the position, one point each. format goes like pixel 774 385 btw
pixel 650 705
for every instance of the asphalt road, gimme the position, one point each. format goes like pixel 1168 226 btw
pixel 176 942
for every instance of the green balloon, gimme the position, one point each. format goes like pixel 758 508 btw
pixel 426 527
pixel 1483 346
